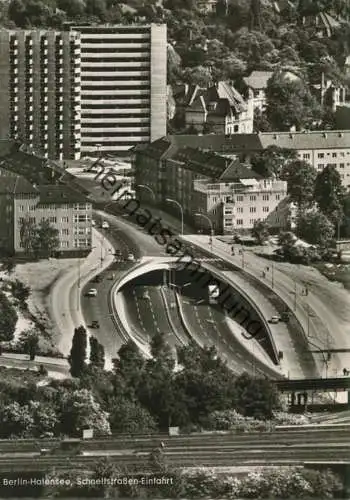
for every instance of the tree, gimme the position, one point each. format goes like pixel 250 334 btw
pixel 129 417
pixel 79 410
pixel 29 342
pixel 260 231
pixel 315 228
pixel 290 104
pixel 300 177
pixel 20 291
pixel 78 352
pixel 97 353
pixel 47 238
pixel 329 193
pixel 28 234
pixel 256 397
pixel 8 318
pixel 129 368
pixel 271 160
pixel 16 420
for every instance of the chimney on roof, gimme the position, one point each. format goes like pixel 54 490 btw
pixel 325 135
pixel 275 136
pixel 291 136
pixel 340 134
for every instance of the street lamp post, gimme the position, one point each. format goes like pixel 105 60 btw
pixel 78 286
pixel 170 200
pixel 211 228
pixel 150 190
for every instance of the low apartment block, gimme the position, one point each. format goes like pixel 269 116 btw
pixel 40 90
pixel 232 195
pixel 319 148
pixel 67 211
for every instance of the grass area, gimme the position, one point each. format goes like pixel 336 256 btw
pixel 335 272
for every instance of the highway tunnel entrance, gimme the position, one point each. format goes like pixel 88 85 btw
pixel 197 285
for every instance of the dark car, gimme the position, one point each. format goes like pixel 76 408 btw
pixel 97 279
pixel 95 324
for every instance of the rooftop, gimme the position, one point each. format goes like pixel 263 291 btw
pixel 205 163
pixel 16 185
pixel 330 139
pixel 53 194
pixel 258 79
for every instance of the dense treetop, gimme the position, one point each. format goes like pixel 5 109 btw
pixel 240 36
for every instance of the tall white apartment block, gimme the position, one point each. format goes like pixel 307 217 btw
pixel 123 86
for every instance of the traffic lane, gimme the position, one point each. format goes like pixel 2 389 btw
pixel 142 240
pixel 158 308
pixel 136 321
pixel 205 334
pixel 170 298
pixel 325 327
pixel 98 309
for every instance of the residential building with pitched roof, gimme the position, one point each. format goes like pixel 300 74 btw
pixel 220 109
pixel 257 83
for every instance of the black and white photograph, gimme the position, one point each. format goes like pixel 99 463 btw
pixel 175 249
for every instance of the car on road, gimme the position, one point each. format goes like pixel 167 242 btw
pixel 95 324
pixel 131 257
pixel 105 225
pixel 274 319
pixel 92 292
pixel 285 316
pixel 97 279
pixel 146 295
pixel 118 254
pixel 93 223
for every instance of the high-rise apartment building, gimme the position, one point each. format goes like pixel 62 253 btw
pixel 40 90
pixel 123 86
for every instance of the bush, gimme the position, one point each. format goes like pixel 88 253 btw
pixel 8 318
pixel 20 291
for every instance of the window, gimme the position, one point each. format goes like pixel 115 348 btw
pixel 341 165
pixel 65 232
pixel 64 244
pixel 334 155
pixel 240 210
pixel 53 220
pixel 252 210
pixel 252 221
pixel 320 166
pixel 342 155
pixel 79 206
pixel 239 222
pixel 65 219
pixel 253 198
pixel 265 197
pixel 239 198
pixel 81 218
pixel 320 155
pixel 266 209
pixel 306 156
pixel 278 197
pixel 21 208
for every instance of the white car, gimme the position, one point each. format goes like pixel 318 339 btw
pixel 93 223
pixel 92 292
pixel 131 257
pixel 105 225
pixel 275 319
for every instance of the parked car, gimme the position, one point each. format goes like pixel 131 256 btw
pixel 93 223
pixel 146 295
pixel 274 319
pixel 285 316
pixel 105 225
pixel 92 292
pixel 131 257
pixel 95 324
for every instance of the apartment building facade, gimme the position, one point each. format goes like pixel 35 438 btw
pixel 237 205
pixel 67 211
pixel 123 86
pixel 40 90
pixel 223 189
